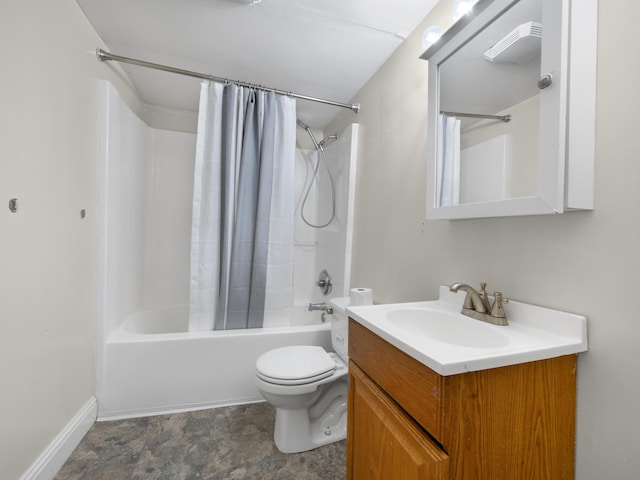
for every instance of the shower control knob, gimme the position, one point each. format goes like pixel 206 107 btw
pixel 544 81
pixel 324 282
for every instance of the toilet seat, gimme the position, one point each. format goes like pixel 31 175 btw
pixel 297 365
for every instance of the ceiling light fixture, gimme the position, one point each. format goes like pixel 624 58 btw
pixel 431 35
pixel 462 7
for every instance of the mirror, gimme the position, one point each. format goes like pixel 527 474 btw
pixel 500 139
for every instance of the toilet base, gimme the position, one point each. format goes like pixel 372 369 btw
pixel 295 432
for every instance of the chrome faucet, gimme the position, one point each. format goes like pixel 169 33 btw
pixel 320 306
pixel 326 310
pixel 476 304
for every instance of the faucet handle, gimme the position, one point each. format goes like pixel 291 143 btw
pixel 497 311
pixel 484 296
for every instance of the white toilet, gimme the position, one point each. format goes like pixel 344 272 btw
pixel 308 386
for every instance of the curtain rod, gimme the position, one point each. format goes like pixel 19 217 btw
pixel 104 56
pixel 504 118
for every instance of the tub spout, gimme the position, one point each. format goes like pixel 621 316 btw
pixel 320 306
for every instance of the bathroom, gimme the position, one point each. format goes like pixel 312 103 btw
pixel 580 262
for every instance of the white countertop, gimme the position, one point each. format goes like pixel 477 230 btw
pixel 534 333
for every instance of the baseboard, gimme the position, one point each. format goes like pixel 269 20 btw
pixel 151 412
pixel 53 457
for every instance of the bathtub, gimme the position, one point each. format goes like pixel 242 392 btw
pixel 152 365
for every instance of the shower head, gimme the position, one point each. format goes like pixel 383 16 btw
pixel 301 124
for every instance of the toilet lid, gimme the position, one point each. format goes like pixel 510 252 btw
pixel 295 365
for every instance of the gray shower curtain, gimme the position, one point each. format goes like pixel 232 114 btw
pixel 243 208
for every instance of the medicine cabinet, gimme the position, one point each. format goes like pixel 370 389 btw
pixel 511 110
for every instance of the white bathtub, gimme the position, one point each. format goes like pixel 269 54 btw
pixel 152 365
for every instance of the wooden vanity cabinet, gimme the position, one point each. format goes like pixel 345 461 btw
pixel 407 422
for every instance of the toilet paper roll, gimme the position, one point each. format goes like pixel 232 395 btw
pixel 361 296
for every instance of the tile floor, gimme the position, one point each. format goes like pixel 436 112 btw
pixel 223 443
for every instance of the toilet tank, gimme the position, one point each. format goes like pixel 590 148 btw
pixel 340 327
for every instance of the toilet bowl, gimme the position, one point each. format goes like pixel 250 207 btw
pixel 308 388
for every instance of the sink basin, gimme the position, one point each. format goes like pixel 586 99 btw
pixel 436 334
pixel 445 327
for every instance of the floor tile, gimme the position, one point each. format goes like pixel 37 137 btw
pixel 234 443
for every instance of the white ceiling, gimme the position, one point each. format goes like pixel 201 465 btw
pixel 321 48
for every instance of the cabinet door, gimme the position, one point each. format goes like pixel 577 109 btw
pixel 383 442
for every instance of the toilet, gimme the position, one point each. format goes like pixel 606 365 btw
pixel 308 387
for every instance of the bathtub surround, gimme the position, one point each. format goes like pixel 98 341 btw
pixel 327 248
pixel 148 362
pixel 243 203
pixel 223 443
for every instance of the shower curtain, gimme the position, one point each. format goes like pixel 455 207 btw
pixel 243 207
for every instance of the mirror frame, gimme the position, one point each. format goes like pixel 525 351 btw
pixel 566 165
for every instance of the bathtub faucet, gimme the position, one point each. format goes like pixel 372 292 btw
pixel 320 306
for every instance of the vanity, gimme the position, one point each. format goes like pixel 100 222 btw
pixel 423 405
pixel 438 395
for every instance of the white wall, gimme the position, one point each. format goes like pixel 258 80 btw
pixel 48 160
pixel 584 262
